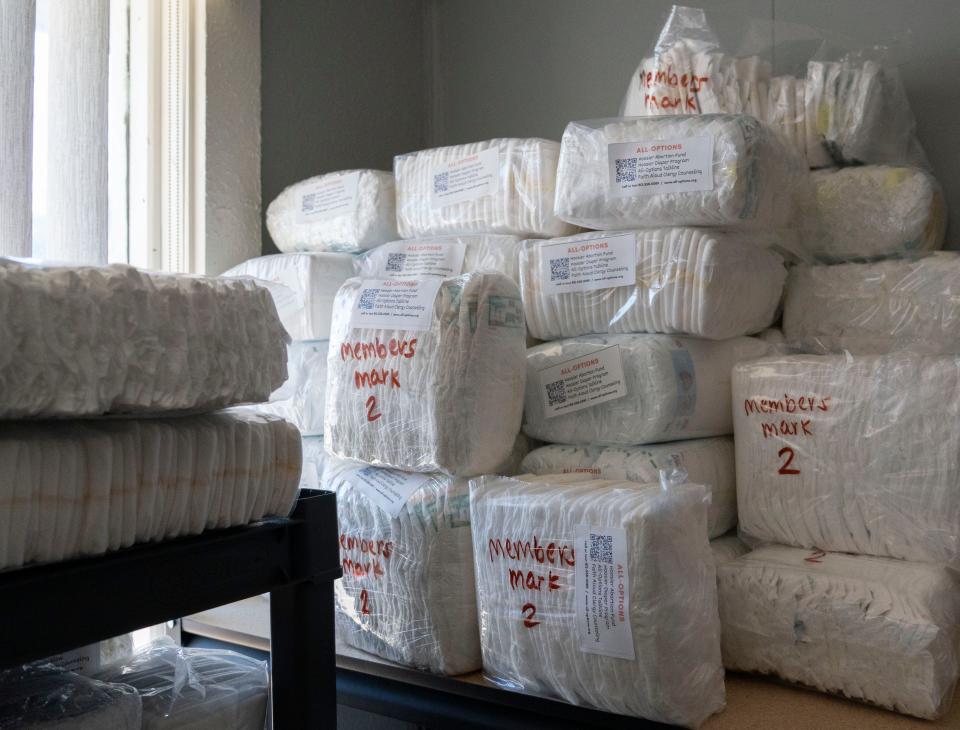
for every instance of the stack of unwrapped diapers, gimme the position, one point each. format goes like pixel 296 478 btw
pixel 692 281
pixel 87 341
pixel 77 488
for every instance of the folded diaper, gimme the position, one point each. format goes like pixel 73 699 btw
pixel 74 488
pixel 426 375
pixel 876 307
pixel 872 211
pixel 442 256
pixel 853 454
pixel 706 461
pixel 497 186
pixel 351 210
pixel 873 629
pixel 707 170
pixel 313 277
pixel 632 389
pixel 602 593
pixel 407 592
pixel 195 689
pixel 43 697
pixel 83 341
pixel 727 548
pixel 692 281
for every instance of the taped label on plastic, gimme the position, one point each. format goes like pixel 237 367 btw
pixel 653 167
pixel 389 489
pixel 331 197
pixel 468 178
pixel 603 592
pixel 405 304
pixel 589 264
pixel 583 382
pixel 423 259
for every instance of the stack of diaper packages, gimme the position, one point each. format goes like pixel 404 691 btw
pixel 96 362
pixel 848 476
pixel 425 390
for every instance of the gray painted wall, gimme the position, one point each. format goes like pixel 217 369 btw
pixel 343 87
pixel 350 83
pixel 527 67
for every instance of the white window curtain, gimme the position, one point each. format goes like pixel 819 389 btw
pixel 17 18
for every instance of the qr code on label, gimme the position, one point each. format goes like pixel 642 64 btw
pixel 367 299
pixel 308 203
pixel 601 548
pixel 627 170
pixel 440 181
pixel 559 269
pixel 556 393
pixel 396 261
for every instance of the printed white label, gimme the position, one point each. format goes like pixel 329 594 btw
pixel 389 489
pixel 422 259
pixel 583 382
pixel 395 305
pixel 588 264
pixel 329 198
pixel 85 660
pixel 603 592
pixel 661 166
pixel 465 179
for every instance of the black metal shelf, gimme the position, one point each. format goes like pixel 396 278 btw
pixel 48 609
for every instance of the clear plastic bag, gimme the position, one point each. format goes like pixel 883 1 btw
pixel 313 278
pixel 644 388
pixel 837 103
pixel 302 398
pixel 498 186
pixel 84 341
pixel 407 592
pixel 43 697
pixel 695 281
pixel 863 308
pixel 873 629
pixel 705 461
pixel 873 211
pixel 648 644
pixel 847 453
pixel 75 488
pixel 348 211
pixel 709 170
pixel 195 688
pixel 441 393
pixel 442 256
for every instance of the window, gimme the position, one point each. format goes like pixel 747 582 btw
pixel 123 135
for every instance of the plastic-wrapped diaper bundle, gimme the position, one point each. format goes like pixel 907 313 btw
pixel 351 210
pixel 314 462
pixel 313 277
pixel 78 341
pixel 673 280
pixel 552 553
pixel 727 548
pixel 707 170
pixel 302 399
pixel 442 256
pixel 72 488
pixel 629 389
pixel 874 211
pixel 708 461
pixel 873 629
pixel 498 186
pixel 43 697
pixel 876 307
pixel 195 689
pixel 853 454
pixel 407 592
pixel 426 374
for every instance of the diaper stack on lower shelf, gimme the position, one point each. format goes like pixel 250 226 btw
pixel 85 344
